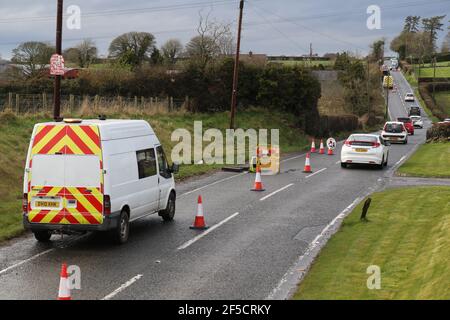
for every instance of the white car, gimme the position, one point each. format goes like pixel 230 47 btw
pixel 409 97
pixel 417 121
pixel 394 131
pixel 447 120
pixel 365 149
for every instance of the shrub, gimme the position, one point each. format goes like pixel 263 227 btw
pixel 439 132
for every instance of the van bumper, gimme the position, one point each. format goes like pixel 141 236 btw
pixel 109 222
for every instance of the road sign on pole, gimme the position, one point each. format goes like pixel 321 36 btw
pixel 331 144
pixel 57 65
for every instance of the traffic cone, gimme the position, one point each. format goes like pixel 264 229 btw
pixel 199 222
pixel 307 168
pixel 330 152
pixel 64 290
pixel 322 149
pixel 313 146
pixel 258 183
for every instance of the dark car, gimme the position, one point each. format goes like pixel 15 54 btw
pixel 408 124
pixel 414 111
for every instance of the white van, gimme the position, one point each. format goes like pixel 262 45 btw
pixel 95 175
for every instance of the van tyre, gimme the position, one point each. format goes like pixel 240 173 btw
pixel 168 213
pixel 42 236
pixel 122 231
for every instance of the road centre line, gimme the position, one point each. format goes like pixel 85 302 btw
pixel 122 287
pixel 25 261
pixel 203 234
pixel 276 191
pixel 317 172
pixel 212 184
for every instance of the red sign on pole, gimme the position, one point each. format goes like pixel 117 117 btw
pixel 57 65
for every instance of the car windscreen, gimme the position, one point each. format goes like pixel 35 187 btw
pixel 393 128
pixel 362 140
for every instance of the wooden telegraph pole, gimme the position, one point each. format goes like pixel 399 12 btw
pixel 236 68
pixel 57 86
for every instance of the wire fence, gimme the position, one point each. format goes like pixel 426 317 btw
pixel 73 104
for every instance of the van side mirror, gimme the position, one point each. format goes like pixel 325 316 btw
pixel 175 168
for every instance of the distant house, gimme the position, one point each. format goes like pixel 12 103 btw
pixel 255 59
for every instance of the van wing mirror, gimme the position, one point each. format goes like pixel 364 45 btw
pixel 175 168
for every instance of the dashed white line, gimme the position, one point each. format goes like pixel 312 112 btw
pixel 122 287
pixel 275 192
pixel 203 234
pixel 212 184
pixel 296 157
pixel 317 172
pixel 25 261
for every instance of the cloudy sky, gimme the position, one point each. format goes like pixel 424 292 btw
pixel 283 27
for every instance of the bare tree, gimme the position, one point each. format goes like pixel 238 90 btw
pixel 34 56
pixel 82 54
pixel 171 50
pixel 132 48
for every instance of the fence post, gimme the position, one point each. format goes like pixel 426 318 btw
pixel 171 104
pixel 17 104
pixel 142 102
pixel 44 101
pixel 71 103
pixel 10 98
pixel 135 102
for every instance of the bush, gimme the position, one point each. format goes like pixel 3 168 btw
pixel 439 132
pixel 431 104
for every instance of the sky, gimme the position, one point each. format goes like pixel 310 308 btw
pixel 283 27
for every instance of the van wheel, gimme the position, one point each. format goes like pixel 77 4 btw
pixel 120 234
pixel 168 213
pixel 42 236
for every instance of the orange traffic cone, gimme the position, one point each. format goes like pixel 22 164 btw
pixel 199 222
pixel 330 152
pixel 307 168
pixel 64 290
pixel 313 146
pixel 258 183
pixel 322 149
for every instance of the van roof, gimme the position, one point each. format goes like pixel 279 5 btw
pixel 115 128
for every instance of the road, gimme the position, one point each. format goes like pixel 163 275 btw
pixel 256 239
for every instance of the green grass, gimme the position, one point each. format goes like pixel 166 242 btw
pixel 15 133
pixel 428 72
pixel 443 100
pixel 430 160
pixel 406 236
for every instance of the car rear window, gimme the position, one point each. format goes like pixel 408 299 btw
pixel 393 128
pixel 362 140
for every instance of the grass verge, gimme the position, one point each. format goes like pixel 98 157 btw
pixel 406 236
pixel 431 160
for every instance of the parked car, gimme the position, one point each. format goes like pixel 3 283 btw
pixel 365 149
pixel 417 121
pixel 408 124
pixel 394 131
pixel 409 97
pixel 95 175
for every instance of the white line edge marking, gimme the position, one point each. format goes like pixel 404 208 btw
pixel 312 245
pixel 400 161
pixel 317 172
pixel 123 287
pixel 203 234
pixel 25 261
pixel 275 192
pixel 213 183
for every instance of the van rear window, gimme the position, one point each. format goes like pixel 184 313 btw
pixel 65 170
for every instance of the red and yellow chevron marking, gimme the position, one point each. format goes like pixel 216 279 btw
pixel 67 139
pixel 88 210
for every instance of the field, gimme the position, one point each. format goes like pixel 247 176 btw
pixel 427 70
pixel 409 243
pixel 430 160
pixel 15 134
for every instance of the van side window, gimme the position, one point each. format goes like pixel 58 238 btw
pixel 146 163
pixel 162 162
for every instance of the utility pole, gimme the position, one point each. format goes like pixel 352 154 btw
pixel 368 84
pixel 57 87
pixel 236 68
pixel 310 55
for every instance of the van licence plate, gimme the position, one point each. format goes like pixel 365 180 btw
pixel 47 204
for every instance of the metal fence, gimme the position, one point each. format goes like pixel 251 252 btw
pixel 71 104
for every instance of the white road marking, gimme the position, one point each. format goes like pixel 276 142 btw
pixel 317 172
pixel 399 161
pixel 25 261
pixel 203 234
pixel 296 157
pixel 275 192
pixel 123 287
pixel 212 184
pixel 337 162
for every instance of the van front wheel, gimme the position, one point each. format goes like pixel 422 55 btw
pixel 168 213
pixel 121 232
pixel 42 236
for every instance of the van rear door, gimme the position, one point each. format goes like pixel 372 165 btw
pixel 66 176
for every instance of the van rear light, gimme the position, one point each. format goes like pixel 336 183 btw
pixel 25 203
pixel 106 205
